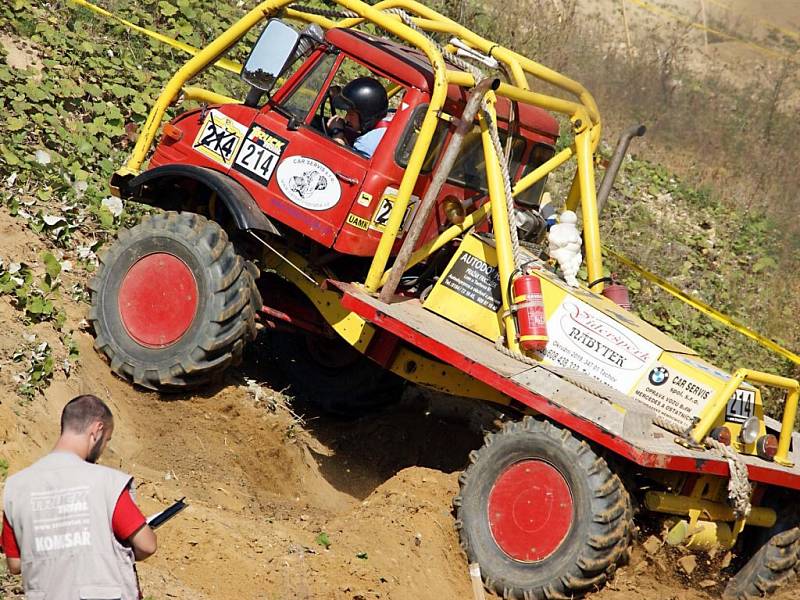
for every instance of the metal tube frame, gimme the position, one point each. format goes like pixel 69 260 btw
pixel 716 407
pixel 583 113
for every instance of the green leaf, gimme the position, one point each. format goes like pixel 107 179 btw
pixel 167 9
pixel 15 123
pixel 763 263
pixel 51 265
pixel 323 540
pixel 36 305
pixel 106 218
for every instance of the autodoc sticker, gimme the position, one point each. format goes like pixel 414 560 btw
pixel 673 394
pixel 219 137
pixel 308 183
pixel 583 338
pixel 476 280
pixel 259 154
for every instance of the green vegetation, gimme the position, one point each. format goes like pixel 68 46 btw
pixel 34 296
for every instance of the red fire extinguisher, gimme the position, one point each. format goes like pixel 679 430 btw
pixel 526 292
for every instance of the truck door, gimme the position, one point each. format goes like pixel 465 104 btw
pixel 296 173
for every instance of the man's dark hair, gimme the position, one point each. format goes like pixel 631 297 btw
pixel 82 411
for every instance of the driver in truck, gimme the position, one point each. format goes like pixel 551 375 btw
pixel 366 118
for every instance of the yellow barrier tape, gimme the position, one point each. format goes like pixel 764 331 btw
pixel 770 24
pixel 663 12
pixel 705 308
pixel 223 63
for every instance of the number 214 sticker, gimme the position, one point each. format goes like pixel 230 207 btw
pixel 259 154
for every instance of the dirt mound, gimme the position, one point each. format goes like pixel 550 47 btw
pixel 279 507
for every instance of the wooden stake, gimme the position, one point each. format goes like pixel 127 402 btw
pixel 625 22
pixel 477 582
pixel 705 23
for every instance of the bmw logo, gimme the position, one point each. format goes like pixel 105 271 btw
pixel 659 376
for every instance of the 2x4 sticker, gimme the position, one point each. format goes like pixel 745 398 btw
pixel 259 154
pixel 219 138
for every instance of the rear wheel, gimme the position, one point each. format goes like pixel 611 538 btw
pixel 541 513
pixel 173 304
pixel 776 559
pixel 332 375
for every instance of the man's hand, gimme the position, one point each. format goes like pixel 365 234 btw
pixel 335 126
pixel 143 543
pixel 14 565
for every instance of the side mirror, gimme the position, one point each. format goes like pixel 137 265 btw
pixel 270 56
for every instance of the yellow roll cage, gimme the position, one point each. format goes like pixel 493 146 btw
pixel 583 114
pixel 581 110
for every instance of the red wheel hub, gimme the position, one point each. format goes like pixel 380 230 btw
pixel 530 510
pixel 158 300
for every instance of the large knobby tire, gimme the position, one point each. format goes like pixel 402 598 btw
pixel 541 513
pixel 331 375
pixel 173 304
pixel 776 560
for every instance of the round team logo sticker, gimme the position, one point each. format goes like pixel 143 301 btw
pixel 308 183
pixel 659 376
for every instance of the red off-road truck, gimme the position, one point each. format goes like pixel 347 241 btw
pixel 423 261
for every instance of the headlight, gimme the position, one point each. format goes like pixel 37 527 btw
pixel 750 429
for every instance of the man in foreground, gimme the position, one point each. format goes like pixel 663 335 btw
pixel 70 526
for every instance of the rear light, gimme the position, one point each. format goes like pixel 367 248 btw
pixel 722 435
pixel 454 210
pixel 750 429
pixel 767 446
pixel 172 133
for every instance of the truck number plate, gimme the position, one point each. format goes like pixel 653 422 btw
pixel 381 216
pixel 741 406
pixel 259 154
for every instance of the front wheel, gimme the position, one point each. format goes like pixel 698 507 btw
pixel 541 513
pixel 173 303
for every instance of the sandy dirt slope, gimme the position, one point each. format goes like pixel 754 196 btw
pixel 262 486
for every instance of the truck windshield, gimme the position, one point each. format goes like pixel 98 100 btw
pixel 469 170
pixel 301 99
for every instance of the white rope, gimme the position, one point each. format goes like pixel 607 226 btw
pixel 739 488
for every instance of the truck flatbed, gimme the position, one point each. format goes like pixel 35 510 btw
pixel 569 397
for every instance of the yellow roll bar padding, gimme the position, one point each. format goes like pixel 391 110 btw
pixel 500 220
pixel 715 408
pixel 591 222
pixel 198 94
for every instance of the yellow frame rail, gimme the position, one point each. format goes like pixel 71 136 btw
pixel 714 409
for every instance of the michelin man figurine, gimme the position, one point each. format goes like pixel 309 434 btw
pixel 565 246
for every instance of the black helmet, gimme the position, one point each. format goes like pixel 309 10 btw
pixel 367 97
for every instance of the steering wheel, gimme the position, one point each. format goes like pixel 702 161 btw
pixel 332 92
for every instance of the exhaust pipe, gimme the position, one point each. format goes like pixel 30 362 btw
pixel 616 163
